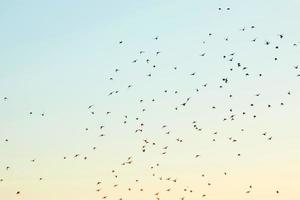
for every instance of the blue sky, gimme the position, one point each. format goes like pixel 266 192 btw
pixel 57 57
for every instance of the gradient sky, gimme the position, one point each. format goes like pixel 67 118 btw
pixel 57 57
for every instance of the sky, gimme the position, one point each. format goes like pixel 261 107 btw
pixel 56 57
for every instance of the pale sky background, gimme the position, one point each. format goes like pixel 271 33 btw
pixel 57 57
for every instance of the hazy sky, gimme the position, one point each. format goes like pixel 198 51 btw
pixel 56 57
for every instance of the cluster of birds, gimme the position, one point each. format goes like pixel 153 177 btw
pixel 146 144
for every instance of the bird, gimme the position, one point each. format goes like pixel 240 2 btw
pixel 90 106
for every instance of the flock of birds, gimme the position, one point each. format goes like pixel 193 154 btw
pixel 139 128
